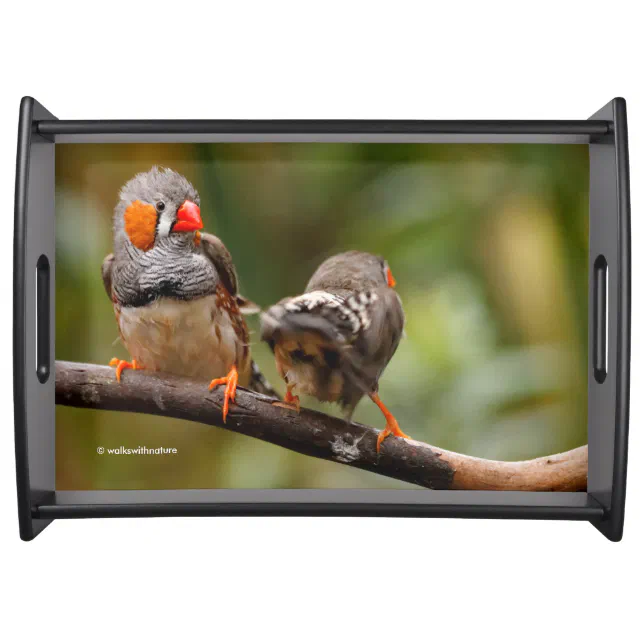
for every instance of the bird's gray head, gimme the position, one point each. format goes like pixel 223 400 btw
pixel 155 206
pixel 352 271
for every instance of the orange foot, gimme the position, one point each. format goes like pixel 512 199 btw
pixel 122 364
pixel 290 401
pixel 231 387
pixel 392 424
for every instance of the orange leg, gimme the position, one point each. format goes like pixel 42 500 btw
pixel 392 424
pixel 231 387
pixel 291 401
pixel 121 365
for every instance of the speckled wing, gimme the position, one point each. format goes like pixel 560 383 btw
pixel 106 273
pixel 362 329
pixel 318 313
pixel 375 345
pixel 215 250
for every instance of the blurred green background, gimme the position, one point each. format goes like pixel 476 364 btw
pixel 488 244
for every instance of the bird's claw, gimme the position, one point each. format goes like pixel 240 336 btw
pixel 391 427
pixel 231 388
pixel 290 401
pixel 121 365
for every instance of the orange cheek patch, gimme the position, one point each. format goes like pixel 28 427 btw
pixel 197 238
pixel 140 224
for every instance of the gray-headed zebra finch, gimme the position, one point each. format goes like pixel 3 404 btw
pixel 174 288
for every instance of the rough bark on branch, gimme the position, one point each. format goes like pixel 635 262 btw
pixel 313 433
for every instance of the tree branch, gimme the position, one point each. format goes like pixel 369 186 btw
pixel 313 433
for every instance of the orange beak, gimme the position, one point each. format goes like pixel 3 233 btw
pixel 188 218
pixel 391 282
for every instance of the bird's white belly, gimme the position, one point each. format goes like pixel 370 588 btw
pixel 193 338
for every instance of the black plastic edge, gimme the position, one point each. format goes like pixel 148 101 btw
pixel 612 526
pixel 456 511
pixel 588 127
pixel 19 249
pixel 30 109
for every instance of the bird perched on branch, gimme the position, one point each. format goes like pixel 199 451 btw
pixel 334 341
pixel 174 288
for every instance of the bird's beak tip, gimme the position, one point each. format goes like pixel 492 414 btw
pixel 188 218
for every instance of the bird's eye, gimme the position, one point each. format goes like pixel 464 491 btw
pixel 160 206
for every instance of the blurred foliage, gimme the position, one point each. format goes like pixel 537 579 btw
pixel 488 244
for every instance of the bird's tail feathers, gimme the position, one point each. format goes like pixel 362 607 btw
pixel 281 327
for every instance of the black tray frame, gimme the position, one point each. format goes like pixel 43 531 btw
pixel 604 502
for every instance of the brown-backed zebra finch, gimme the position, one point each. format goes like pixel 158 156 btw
pixel 334 341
